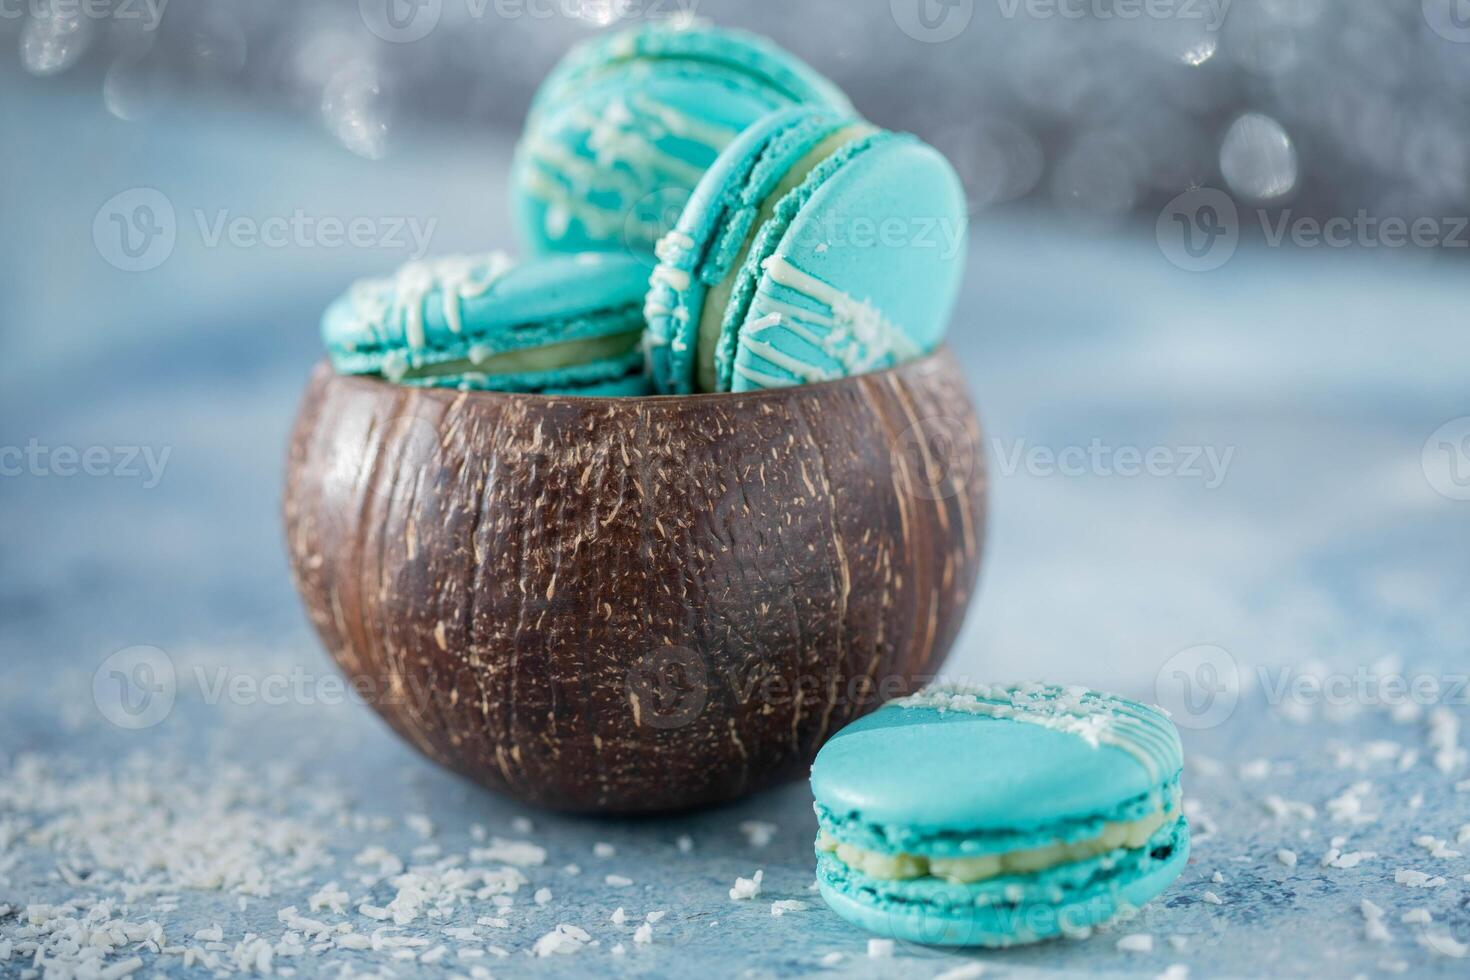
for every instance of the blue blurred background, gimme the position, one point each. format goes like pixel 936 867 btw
pixel 1145 185
pixel 1214 319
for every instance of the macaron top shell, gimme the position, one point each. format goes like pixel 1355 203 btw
pixel 623 130
pixel 999 760
pixel 818 247
pixel 475 307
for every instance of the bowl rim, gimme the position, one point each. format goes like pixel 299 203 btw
pixel 939 355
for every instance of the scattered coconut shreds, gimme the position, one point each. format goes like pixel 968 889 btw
pixel 1282 809
pixel 655 916
pixel 1335 858
pixel 1347 807
pixel 970 971
pixel 1419 916
pixel 643 934
pixel 617 881
pixel 329 897
pixel 1217 878
pixel 1374 928
pixel 522 825
pixel 1286 857
pixel 419 824
pixel 619 916
pixel 1443 739
pixel 1136 942
pixel 684 843
pixel 1179 943
pixel 747 888
pixel 1175 971
pixel 521 854
pixel 880 948
pixel 1416 879
pixel 564 939
pixel 1436 847
pixel 618 949
pixel 603 849
pixel 758 833
pixel 831 959
pixel 1442 944
pixel 1212 898
pixel 542 896
pixel 781 906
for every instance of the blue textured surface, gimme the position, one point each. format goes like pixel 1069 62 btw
pixel 1324 546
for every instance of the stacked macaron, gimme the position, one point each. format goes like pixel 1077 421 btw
pixel 992 816
pixel 789 242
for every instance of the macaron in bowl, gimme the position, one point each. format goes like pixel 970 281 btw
pixel 568 325
pixel 622 130
pixel 995 816
pixel 816 247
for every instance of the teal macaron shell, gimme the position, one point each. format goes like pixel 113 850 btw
pixel 961 773
pixel 853 267
pixel 625 126
pixel 566 324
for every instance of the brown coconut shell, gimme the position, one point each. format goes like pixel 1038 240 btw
pixel 635 604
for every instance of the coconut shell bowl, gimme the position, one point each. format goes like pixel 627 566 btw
pixel 623 605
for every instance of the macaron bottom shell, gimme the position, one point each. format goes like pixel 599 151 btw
pixel 1016 910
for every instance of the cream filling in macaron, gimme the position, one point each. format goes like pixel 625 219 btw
pixel 966 870
pixel 548 357
pixel 712 315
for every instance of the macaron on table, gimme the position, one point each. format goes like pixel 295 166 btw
pixel 646 520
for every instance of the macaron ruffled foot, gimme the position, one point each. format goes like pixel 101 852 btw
pixel 569 325
pixel 995 816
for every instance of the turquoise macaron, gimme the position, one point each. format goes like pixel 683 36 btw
pixel 816 247
pixel 567 325
pixel 994 816
pixel 623 128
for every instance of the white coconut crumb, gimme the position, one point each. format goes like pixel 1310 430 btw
pixel 1336 858
pixel 831 959
pixel 564 940
pixel 618 949
pixel 684 843
pixel 1282 809
pixel 1374 928
pixel 1255 769
pixel 434 955
pixel 374 912
pixel 1217 878
pixel 542 896
pixel 655 916
pixel 1442 944
pixel 1443 739
pixel 213 934
pixel 1212 898
pixel 493 922
pixel 1347 807
pixel 329 897
pixel 1416 801
pixel 1136 942
pixel 522 825
pixel 1286 857
pixel 1436 847
pixel 781 906
pixel 747 888
pixel 1174 971
pixel 619 917
pixel 518 853
pixel 970 971
pixel 603 849
pixel 469 953
pixel 879 949
pixel 617 881
pixel 643 934
pixel 419 824
pixel 1412 878
pixel 758 833
pixel 1419 916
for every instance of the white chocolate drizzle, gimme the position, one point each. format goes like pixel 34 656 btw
pixel 378 304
